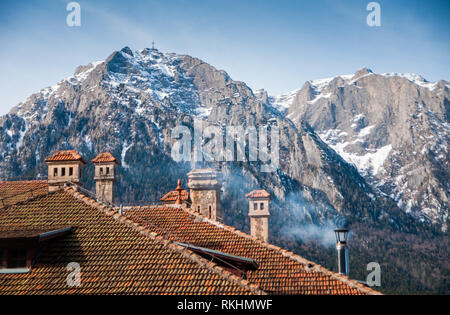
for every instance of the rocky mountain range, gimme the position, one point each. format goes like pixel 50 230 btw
pixel 361 149
pixel 393 127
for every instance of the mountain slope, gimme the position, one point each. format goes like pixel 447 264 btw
pixel 130 103
pixel 393 127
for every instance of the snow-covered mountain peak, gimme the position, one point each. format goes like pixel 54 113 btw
pixel 371 120
pixel 135 97
pixel 282 102
pixel 414 78
pixel 149 76
pixel 321 88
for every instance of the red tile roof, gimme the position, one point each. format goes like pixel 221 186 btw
pixel 261 193
pixel 105 157
pixel 279 272
pixel 173 195
pixel 68 155
pixel 116 255
pixel 12 192
pixel 132 254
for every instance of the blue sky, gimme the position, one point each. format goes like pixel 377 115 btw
pixel 271 44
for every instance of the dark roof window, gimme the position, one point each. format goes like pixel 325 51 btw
pixel 18 245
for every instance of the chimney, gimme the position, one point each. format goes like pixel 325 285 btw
pixel 105 176
pixel 179 190
pixel 342 251
pixel 64 166
pixel 205 186
pixel 259 213
pixel 179 196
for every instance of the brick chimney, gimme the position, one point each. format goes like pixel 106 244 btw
pixel 259 213
pixel 64 166
pixel 205 186
pixel 105 176
pixel 179 191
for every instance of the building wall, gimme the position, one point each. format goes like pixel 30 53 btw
pixel 63 174
pixel 259 218
pixel 105 190
pixel 205 186
pixel 208 201
pixel 259 228
pixel 105 170
pixel 104 181
pixel 259 210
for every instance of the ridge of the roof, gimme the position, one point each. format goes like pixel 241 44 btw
pixel 27 181
pixel 166 243
pixel 309 265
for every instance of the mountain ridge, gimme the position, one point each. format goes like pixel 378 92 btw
pixel 129 103
pixel 148 84
pixel 374 142
pixel 284 100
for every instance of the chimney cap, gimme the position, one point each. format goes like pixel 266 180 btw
pixel 105 157
pixel 179 189
pixel 65 156
pixel 258 194
pixel 205 178
pixel 341 235
pixel 202 172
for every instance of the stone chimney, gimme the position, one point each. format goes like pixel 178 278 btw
pixel 63 167
pixel 205 186
pixel 259 213
pixel 105 176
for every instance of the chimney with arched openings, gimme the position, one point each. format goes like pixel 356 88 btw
pixel 105 176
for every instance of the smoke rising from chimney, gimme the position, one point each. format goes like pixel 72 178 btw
pixel 296 217
pixel 309 221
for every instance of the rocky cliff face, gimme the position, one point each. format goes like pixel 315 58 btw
pixel 393 127
pixel 130 103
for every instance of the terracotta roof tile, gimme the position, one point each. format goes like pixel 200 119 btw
pixel 173 195
pixel 105 158
pixel 67 155
pixel 115 257
pixel 279 271
pixel 133 254
pixel 12 192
